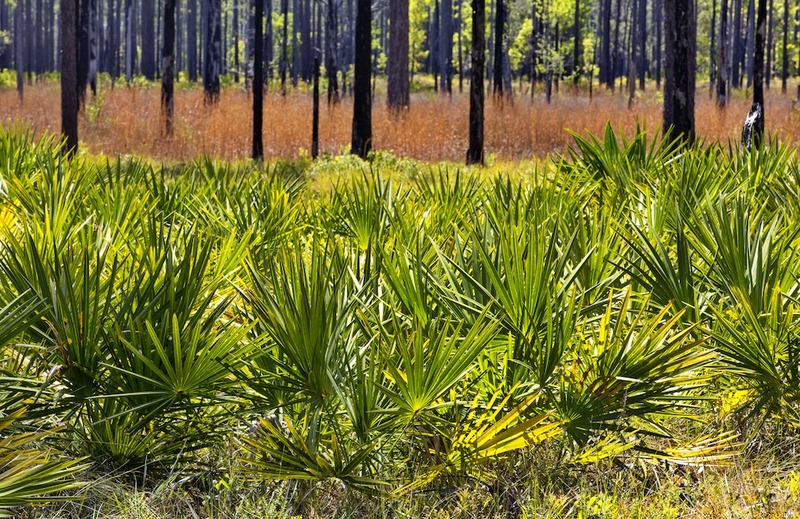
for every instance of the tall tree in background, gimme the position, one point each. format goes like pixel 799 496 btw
pixel 758 71
pixel 722 70
pixel 362 97
pixel 331 46
pixel 213 50
pixel 168 65
pixel 130 42
pixel 738 48
pixel 258 82
pixel 475 150
pixel 499 30
pixel 191 39
pixel 446 47
pixel 148 61
pixel 785 64
pixel 398 83
pixel 606 66
pixel 576 47
pixel 69 75
pixel 18 48
pixel 680 72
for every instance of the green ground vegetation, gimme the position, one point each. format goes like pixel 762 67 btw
pixel 611 333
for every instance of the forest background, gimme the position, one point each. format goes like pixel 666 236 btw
pixel 551 59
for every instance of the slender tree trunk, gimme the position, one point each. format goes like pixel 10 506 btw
pixel 475 151
pixel 362 98
pixel 69 75
pixel 770 44
pixel 258 82
pixel 605 46
pixel 148 62
pixel 19 57
pixel 213 51
pixel 284 44
pixel 659 23
pixel 758 70
pixel 722 71
pixel 751 42
pixel 499 30
pixel 130 49
pixel 398 83
pixel 446 47
pixel 315 114
pixel 785 71
pixel 616 58
pixel 576 47
pixel 680 69
pixel 235 41
pixel 331 44
pixel 168 65
pixel 642 26
pixel 191 39
pixel 712 50
pixel 738 49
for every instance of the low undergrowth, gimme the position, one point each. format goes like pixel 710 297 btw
pixel 609 331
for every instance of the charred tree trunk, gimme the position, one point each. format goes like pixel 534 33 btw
pixel 605 46
pixel 722 71
pixel 680 69
pixel 475 151
pixel 19 57
pixel 69 75
pixel 785 64
pixel 362 95
pixel 331 45
pixel 499 30
pixel 659 24
pixel 758 71
pixel 148 62
pixel 284 44
pixel 446 47
pixel 213 51
pixel 191 39
pixel 576 48
pixel 738 49
pixel 258 82
pixel 130 49
pixel 642 26
pixel 398 83
pixel 168 66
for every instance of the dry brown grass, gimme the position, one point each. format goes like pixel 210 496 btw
pixel 127 120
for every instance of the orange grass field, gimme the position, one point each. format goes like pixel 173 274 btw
pixel 126 120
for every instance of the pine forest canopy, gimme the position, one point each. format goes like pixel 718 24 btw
pixel 620 42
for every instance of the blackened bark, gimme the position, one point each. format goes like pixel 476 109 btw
pixel 267 41
pixel 576 47
pixel 770 46
pixel 642 26
pixel 605 46
pixel 499 30
pixel 738 48
pixel 130 48
pixel 148 62
pixel 751 42
pixel 236 64
pixel 679 86
pixel 191 39
pixel 91 76
pixel 39 33
pixel 362 107
pixel 722 71
pixel 168 65
pixel 19 57
pixel 315 114
pixel 785 71
pixel 475 151
pixel 83 50
pixel 659 23
pixel 712 50
pixel 69 75
pixel 398 83
pixel 258 82
pixel 758 70
pixel 446 47
pixel 284 44
pixel 331 46
pixel 213 51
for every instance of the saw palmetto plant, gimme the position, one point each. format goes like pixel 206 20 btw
pixel 390 329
